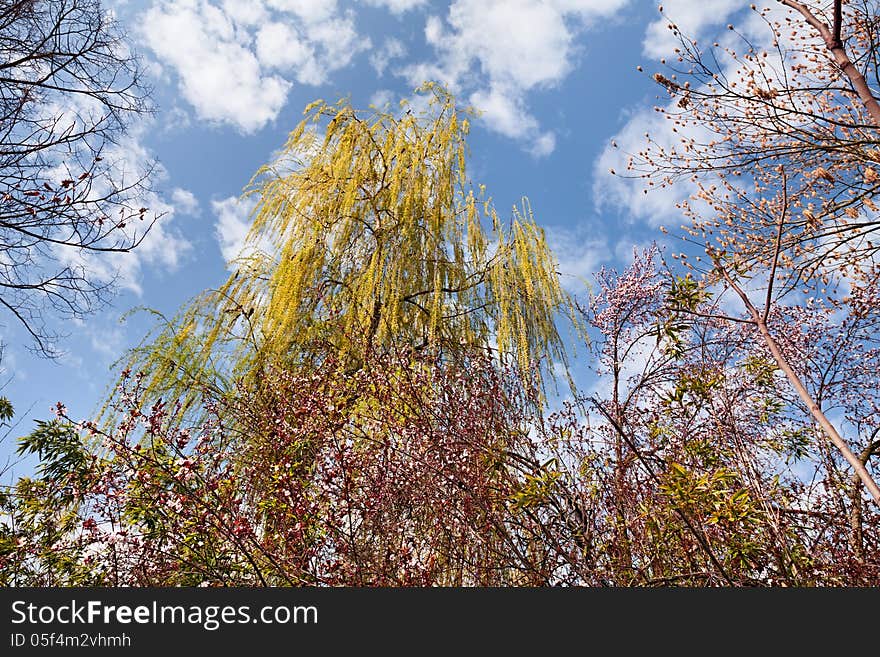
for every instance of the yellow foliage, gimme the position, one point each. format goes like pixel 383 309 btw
pixel 376 233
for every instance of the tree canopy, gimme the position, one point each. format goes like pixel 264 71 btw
pixel 70 86
pixel 363 401
pixel 367 233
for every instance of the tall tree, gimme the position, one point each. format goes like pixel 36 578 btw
pixel 695 464
pixel 692 466
pixel 777 128
pixel 371 231
pixel 69 87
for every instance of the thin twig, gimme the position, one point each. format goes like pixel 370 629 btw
pixel 801 389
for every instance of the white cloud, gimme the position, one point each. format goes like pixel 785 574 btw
pixel 105 338
pixel 397 7
pixel 504 111
pixel 543 145
pixel 338 40
pixel 500 49
pixel 163 246
pixel 162 249
pixel 185 202
pixel 232 225
pixel 692 17
pixel 392 49
pixel 244 12
pixel 310 11
pixel 280 46
pixel 235 60
pixel 623 189
pixel 382 98
pixel 9 367
pixel 521 42
pixel 175 119
pixel 578 256
pixel 219 74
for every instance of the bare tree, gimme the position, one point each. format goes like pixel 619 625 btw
pixel 778 131
pixel 781 112
pixel 69 88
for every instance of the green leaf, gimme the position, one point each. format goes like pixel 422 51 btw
pixel 6 410
pixel 58 447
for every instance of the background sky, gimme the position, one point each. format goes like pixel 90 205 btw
pixel 556 80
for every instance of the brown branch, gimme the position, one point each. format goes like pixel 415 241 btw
pixel 803 393
pixel 856 539
pixel 838 52
pixel 777 247
pixel 696 313
pixel 838 21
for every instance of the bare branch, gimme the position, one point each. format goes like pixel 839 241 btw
pixel 835 47
pixel 783 364
pixel 777 247
pixel 69 88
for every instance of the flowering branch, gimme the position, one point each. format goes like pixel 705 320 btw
pixel 798 385
pixel 831 37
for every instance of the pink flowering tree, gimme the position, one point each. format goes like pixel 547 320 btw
pixel 685 461
pixel 713 469
pixel 774 128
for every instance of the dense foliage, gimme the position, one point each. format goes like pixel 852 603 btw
pixel 368 399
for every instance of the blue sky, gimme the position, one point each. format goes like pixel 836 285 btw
pixel 556 80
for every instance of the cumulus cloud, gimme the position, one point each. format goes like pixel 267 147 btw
pixel 498 50
pixel 694 18
pixel 391 49
pixel 522 43
pixel 232 225
pixel 280 46
pixel 578 256
pixel 218 73
pixel 616 188
pixel 185 202
pixel 397 6
pixel 236 60
pixel 504 111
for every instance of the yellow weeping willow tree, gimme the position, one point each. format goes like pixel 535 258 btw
pixel 368 236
